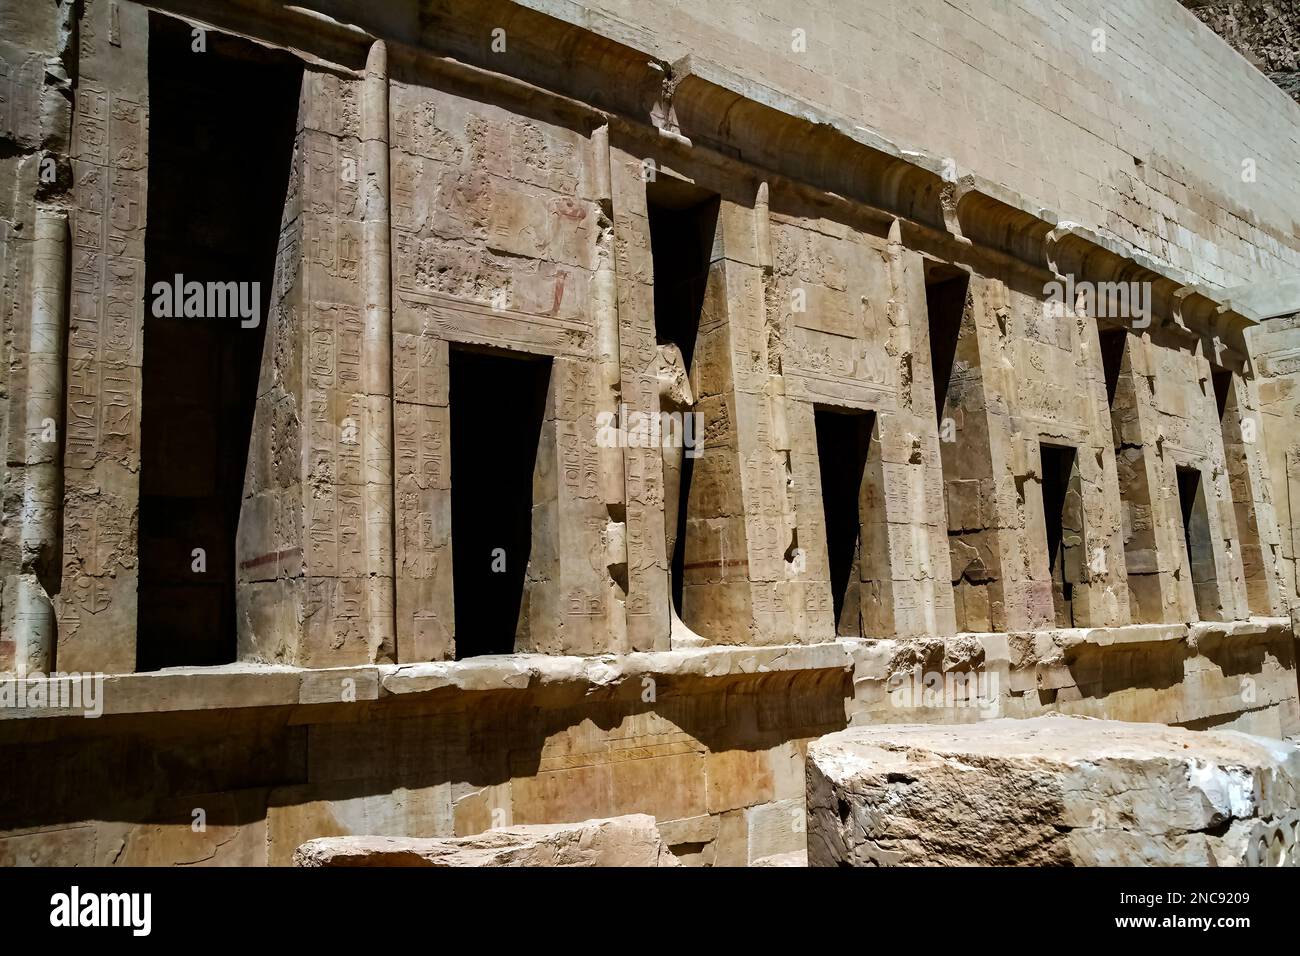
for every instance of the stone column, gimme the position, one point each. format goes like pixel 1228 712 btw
pixel 37 119
pixel 738 531
pixel 1225 542
pixel 609 392
pixel 647 562
pixel 979 490
pixel 377 368
pixel 805 574
pixel 1148 565
pixel 33 621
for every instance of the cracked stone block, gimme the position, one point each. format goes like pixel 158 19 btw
pixel 1053 790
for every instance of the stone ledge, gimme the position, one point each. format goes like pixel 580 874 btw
pixel 265 685
pixel 1075 638
pixel 631 840
pixel 1055 641
pixel 518 671
pixel 972 677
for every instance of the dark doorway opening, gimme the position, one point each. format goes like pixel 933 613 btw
pixel 1221 380
pixel 498 406
pixel 1197 540
pixel 1063 523
pixel 843 447
pixel 1146 599
pixel 683 225
pixel 1239 428
pixel 221 133
pixel 965 452
pixel 945 300
pixel 1112 360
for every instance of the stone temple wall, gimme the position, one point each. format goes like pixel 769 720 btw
pixel 1028 95
pixel 927 487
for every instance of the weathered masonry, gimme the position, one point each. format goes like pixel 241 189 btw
pixel 432 416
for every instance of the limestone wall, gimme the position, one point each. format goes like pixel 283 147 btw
pixel 244 773
pixel 1017 500
pixel 435 206
pixel 1145 140
pixel 1276 343
pixel 247 764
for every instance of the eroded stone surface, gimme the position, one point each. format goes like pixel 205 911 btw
pixel 1051 791
pixel 792 859
pixel 621 841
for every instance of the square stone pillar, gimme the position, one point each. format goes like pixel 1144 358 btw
pixel 648 593
pixel 97 604
pixel 1043 383
pixel 1257 526
pixel 982 495
pixel 312 587
pixel 732 565
pixel 1149 559
pixel 919 561
pixel 1188 434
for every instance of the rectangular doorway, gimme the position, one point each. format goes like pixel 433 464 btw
pixel 843 449
pixel 497 410
pixel 1239 428
pixel 945 300
pixel 683 221
pixel 221 136
pixel 1063 524
pixel 1197 541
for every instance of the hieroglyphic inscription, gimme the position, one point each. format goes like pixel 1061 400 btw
pixel 335 509
pixel 104 353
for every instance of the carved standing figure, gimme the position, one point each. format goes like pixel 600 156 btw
pixel 674 396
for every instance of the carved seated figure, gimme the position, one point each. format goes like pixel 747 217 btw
pixel 674 397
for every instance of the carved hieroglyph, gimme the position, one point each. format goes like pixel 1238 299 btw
pixel 97 603
pixel 315 566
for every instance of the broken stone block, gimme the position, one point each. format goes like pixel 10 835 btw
pixel 631 840
pixel 1053 790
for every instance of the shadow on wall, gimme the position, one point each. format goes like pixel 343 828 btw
pixel 128 786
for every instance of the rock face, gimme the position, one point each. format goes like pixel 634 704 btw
pixel 631 840
pixel 1265 32
pixel 1051 791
